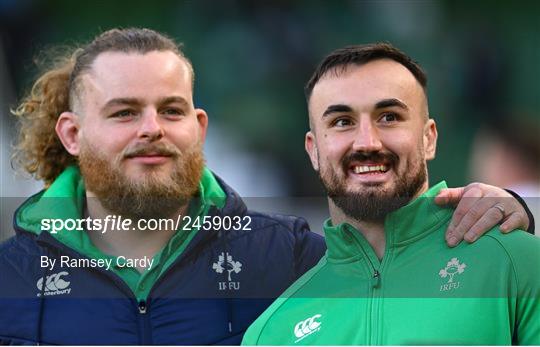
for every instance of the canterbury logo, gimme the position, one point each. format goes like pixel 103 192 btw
pixel 54 284
pixel 307 327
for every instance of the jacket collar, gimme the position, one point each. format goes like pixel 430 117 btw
pixel 405 225
pixel 234 205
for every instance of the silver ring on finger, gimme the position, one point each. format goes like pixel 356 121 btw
pixel 500 208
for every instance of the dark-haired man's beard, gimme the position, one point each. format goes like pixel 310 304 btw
pixel 154 195
pixel 371 203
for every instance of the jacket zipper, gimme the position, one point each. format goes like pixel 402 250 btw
pixel 180 261
pixel 141 306
pixel 144 323
pixel 374 303
pixel 377 300
pixel 375 308
pixel 376 279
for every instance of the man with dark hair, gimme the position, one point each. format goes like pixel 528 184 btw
pixel 114 133
pixel 387 277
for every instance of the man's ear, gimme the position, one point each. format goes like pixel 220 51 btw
pixel 311 149
pixel 67 129
pixel 202 119
pixel 430 139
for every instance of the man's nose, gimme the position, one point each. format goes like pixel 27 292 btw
pixel 367 137
pixel 150 127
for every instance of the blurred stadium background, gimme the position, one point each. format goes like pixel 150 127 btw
pixel 252 59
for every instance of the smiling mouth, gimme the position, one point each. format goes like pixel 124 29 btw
pixel 366 169
pixel 368 166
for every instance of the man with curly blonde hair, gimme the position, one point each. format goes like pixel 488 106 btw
pixel 113 132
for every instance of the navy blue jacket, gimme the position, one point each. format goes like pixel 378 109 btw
pixel 192 303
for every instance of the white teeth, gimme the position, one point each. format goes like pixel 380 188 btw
pixel 363 169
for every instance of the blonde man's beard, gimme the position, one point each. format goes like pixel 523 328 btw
pixel 153 196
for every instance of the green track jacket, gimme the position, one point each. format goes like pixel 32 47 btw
pixel 422 292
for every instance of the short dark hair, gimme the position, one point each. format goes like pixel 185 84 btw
pixel 362 54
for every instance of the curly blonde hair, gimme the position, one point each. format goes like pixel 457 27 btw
pixel 38 150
